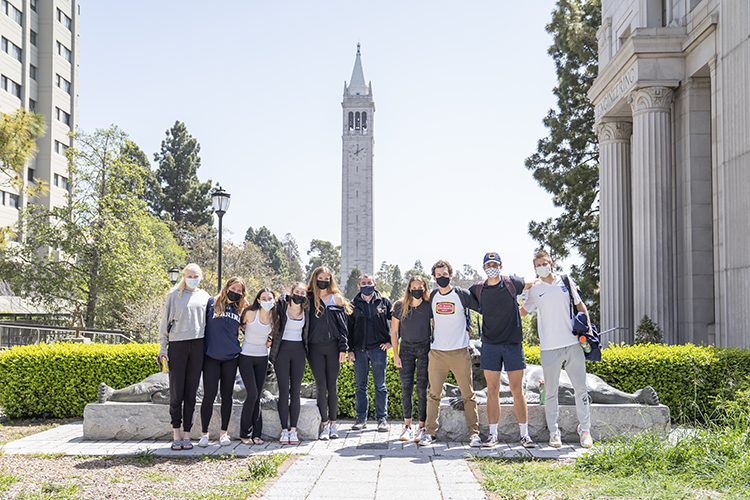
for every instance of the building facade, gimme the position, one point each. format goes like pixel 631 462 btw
pixel 39 71
pixel 356 174
pixel 672 104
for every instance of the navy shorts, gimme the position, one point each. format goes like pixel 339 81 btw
pixel 494 356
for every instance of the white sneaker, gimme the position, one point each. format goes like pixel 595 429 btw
pixel 426 440
pixel 555 441
pixel 293 439
pixel 203 441
pixel 586 440
pixel 475 441
pixel 333 431
pixel 407 434
pixel 420 434
pixel 225 440
pixel 325 434
pixel 491 442
pixel 527 442
pixel 284 439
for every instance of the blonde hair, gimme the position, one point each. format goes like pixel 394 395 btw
pixel 407 300
pixel 221 300
pixel 312 287
pixel 190 267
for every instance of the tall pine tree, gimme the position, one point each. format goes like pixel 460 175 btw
pixel 566 162
pixel 177 193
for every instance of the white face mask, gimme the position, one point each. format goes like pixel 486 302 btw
pixel 192 282
pixel 492 272
pixel 267 304
pixel 543 271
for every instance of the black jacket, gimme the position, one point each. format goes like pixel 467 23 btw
pixel 282 304
pixel 358 320
pixel 335 316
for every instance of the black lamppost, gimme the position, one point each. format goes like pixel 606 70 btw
pixel 220 202
pixel 174 275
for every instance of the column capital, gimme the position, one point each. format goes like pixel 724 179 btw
pixel 651 99
pixel 614 131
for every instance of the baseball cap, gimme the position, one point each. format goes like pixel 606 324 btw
pixel 492 257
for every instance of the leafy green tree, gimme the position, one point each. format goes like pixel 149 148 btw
pixel 177 194
pixel 648 332
pixel 351 290
pixel 397 284
pixel 566 162
pixel 289 244
pixel 417 270
pixel 18 134
pixel 383 278
pixel 323 253
pixel 100 251
pixel 467 277
pixel 271 247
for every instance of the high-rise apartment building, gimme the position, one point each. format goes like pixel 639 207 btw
pixel 39 71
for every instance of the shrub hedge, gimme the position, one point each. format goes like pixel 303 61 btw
pixel 60 379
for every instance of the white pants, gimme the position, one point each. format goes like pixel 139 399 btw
pixel 575 366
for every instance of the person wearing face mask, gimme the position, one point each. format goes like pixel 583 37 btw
pixel 327 344
pixel 181 333
pixel 412 322
pixel 261 322
pixel 551 297
pixel 502 347
pixel 222 349
pixel 449 351
pixel 287 354
pixel 369 341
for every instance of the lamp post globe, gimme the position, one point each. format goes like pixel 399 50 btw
pixel 174 275
pixel 220 202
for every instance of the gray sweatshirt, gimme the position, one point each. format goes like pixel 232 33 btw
pixel 188 311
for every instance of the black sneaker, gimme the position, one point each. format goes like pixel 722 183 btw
pixel 359 425
pixel 383 425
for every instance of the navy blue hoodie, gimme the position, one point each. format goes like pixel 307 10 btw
pixel 222 334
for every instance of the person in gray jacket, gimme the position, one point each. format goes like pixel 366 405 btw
pixel 181 333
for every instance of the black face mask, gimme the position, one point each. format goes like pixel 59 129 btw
pixel 417 294
pixel 234 296
pixel 443 281
pixel 323 284
pixel 298 299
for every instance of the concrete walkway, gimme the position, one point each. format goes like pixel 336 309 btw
pixel 360 464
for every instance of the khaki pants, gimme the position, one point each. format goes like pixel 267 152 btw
pixel 458 362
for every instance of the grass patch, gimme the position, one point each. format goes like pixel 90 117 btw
pixel 220 457
pixel 146 457
pixel 155 476
pixel 711 462
pixel 52 491
pixel 6 480
pixel 46 455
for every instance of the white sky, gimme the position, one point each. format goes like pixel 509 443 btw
pixel 460 91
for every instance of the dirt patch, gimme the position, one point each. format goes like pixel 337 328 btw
pixel 14 429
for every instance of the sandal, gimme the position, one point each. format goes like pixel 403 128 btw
pixel 257 441
pixel 187 445
pixel 177 445
pixel 246 441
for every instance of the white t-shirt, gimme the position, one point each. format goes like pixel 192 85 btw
pixel 256 335
pixel 450 322
pixel 554 322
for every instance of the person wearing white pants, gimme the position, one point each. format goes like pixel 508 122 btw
pixel 550 295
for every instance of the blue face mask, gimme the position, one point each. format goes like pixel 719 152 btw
pixel 366 290
pixel 192 282
pixel 267 304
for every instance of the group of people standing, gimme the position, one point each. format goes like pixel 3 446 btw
pixel 428 331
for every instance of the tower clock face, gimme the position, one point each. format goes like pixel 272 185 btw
pixel 356 151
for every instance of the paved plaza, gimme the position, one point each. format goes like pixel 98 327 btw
pixel 360 464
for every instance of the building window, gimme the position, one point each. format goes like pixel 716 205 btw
pixel 32 37
pixel 33 5
pixel 32 105
pixel 9 199
pixel 63 84
pixel 9 85
pixel 63 117
pixel 364 120
pixel 62 182
pixel 64 51
pixel 64 19
pixel 357 120
pixel 31 175
pixel 60 149
pixel 32 71
pixel 11 49
pixel 10 10
pixel 351 120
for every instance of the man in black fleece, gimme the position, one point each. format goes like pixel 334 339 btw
pixel 369 341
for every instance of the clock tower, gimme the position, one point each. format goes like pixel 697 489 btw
pixel 356 176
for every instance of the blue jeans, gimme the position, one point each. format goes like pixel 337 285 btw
pixel 362 361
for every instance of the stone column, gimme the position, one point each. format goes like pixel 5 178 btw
pixel 615 236
pixel 653 248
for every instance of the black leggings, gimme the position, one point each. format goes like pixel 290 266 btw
pixel 253 371
pixel 185 365
pixel 325 367
pixel 414 356
pixel 290 368
pixel 213 372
